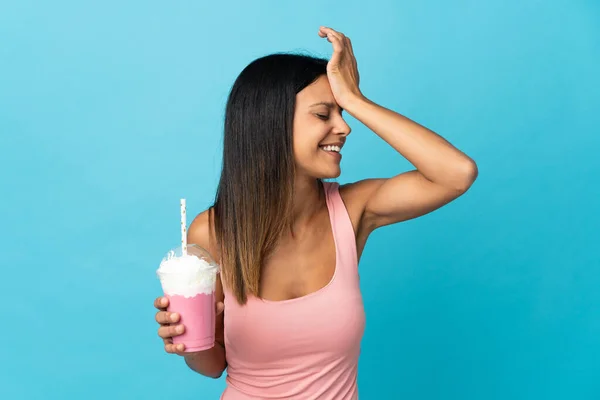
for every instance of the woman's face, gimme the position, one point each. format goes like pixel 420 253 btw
pixel 318 122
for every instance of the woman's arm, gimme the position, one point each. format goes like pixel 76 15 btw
pixel 442 172
pixel 209 363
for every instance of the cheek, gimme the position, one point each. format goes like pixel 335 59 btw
pixel 305 153
pixel 306 143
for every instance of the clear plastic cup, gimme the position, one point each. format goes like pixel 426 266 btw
pixel 189 283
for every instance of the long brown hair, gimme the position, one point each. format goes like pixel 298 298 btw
pixel 253 202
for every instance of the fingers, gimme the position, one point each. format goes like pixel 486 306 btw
pixel 169 331
pixel 165 317
pixel 161 303
pixel 337 39
pixel 349 46
pixel 174 348
pixel 331 35
pixel 325 31
pixel 169 327
pixel 219 307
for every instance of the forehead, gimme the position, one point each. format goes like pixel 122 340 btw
pixel 318 91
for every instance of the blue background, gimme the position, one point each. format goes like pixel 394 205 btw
pixel 110 112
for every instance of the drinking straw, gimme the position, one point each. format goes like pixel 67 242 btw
pixel 183 229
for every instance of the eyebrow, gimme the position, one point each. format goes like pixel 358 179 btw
pixel 328 105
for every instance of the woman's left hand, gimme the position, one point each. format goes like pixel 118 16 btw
pixel 342 70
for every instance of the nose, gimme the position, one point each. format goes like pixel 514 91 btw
pixel 341 127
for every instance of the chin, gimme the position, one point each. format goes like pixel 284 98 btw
pixel 323 171
pixel 329 174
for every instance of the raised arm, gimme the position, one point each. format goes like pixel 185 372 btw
pixel 442 172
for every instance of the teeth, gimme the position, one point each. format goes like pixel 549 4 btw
pixel 337 149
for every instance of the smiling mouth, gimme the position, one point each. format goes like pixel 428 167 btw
pixel 333 153
pixel 331 148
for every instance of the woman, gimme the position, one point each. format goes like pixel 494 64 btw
pixel 291 315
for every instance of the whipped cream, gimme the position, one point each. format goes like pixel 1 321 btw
pixel 186 275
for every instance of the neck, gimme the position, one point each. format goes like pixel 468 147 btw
pixel 308 200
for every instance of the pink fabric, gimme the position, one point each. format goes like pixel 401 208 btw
pixel 305 348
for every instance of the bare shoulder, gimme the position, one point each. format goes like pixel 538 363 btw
pixel 360 191
pixel 202 233
pixel 355 196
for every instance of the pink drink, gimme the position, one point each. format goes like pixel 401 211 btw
pixel 188 280
pixel 198 316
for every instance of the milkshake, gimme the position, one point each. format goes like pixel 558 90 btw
pixel 188 276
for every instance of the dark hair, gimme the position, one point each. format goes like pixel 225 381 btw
pixel 253 203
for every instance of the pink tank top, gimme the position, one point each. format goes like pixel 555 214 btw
pixel 304 348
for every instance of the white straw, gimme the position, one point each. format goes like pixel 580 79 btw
pixel 183 229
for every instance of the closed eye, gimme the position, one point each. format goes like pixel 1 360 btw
pixel 323 117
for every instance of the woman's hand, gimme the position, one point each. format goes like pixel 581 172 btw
pixel 342 70
pixel 169 326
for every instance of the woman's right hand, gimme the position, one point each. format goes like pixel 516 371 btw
pixel 169 326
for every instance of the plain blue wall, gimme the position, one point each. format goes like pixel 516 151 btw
pixel 111 111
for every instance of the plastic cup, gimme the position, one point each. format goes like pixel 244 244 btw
pixel 188 281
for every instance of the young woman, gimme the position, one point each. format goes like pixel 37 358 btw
pixel 291 315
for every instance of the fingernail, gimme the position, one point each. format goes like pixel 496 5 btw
pixel 179 328
pixel 163 301
pixel 173 317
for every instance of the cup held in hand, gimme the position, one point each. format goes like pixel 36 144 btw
pixel 189 280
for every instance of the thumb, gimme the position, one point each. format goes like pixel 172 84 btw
pixel 219 307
